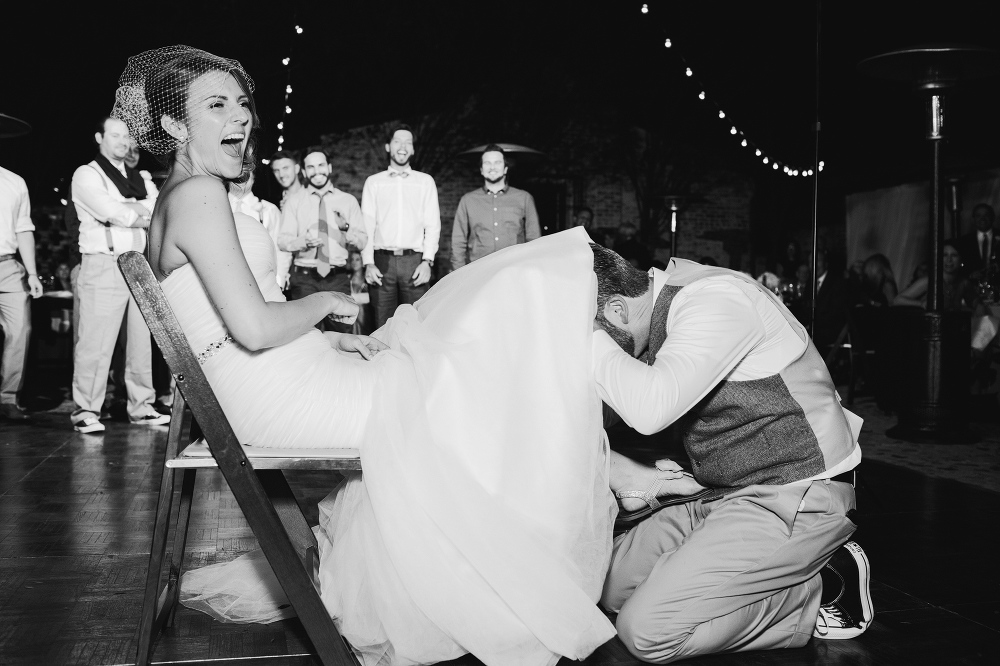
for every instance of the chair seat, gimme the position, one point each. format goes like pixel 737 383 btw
pixel 198 456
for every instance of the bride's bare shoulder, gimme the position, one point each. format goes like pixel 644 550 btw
pixel 198 188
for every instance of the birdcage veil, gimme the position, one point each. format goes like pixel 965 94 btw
pixel 160 82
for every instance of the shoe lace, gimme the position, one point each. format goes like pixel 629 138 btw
pixel 830 616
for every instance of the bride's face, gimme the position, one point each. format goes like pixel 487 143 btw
pixel 219 123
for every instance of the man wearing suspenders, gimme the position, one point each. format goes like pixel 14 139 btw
pixel 114 204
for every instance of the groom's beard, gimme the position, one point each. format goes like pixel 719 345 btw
pixel 622 338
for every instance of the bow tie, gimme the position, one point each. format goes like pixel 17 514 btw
pixel 402 174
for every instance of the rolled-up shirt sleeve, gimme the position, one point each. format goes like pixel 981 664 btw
pixel 432 221
pixel 709 331
pixel 23 221
pixel 91 194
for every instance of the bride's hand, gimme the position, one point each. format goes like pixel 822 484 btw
pixel 357 344
pixel 343 310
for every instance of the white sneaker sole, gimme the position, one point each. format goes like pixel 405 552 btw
pixel 89 429
pixel 864 581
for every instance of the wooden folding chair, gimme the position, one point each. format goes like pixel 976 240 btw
pixel 254 476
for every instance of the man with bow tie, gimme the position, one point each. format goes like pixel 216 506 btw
pixel 319 225
pixel 401 214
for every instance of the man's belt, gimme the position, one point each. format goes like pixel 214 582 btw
pixel 6 257
pixel 398 253
pixel 311 269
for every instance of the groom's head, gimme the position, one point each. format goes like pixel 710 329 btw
pixel 624 300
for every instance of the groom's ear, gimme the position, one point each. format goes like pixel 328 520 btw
pixel 616 311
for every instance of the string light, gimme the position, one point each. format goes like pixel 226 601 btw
pixel 286 61
pixel 734 130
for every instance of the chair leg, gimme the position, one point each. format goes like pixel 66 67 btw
pixel 145 636
pixel 289 511
pixel 169 608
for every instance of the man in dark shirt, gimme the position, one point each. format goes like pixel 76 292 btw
pixel 493 216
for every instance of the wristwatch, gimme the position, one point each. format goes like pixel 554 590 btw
pixel 429 262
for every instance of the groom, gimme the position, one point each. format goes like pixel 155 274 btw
pixel 738 568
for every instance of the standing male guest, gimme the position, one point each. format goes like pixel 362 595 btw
pixel 17 280
pixel 979 250
pixel 404 227
pixel 319 225
pixel 243 200
pixel 739 567
pixel 493 216
pixel 287 172
pixel 114 204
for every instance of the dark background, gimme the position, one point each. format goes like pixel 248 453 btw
pixel 363 62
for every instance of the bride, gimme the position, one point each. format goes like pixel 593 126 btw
pixel 482 522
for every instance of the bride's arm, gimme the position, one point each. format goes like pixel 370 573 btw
pixel 200 224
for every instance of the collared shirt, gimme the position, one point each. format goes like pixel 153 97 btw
pixel 269 215
pixel 401 213
pixel 97 200
pixel 718 328
pixel 984 250
pixel 300 218
pixel 15 210
pixel 489 221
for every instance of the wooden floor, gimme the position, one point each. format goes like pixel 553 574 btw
pixel 76 513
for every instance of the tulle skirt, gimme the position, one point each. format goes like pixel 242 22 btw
pixel 482 520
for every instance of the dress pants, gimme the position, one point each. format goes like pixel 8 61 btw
pixel 734 574
pixel 303 281
pixel 15 321
pixel 104 301
pixel 397 286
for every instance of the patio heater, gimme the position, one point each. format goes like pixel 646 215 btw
pixel 931 349
pixel 11 127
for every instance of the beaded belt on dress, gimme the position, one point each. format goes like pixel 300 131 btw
pixel 213 349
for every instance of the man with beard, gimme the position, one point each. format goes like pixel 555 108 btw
pixel 403 221
pixel 493 216
pixel 114 205
pixel 286 170
pixel 319 225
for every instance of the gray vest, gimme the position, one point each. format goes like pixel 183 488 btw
pixel 775 430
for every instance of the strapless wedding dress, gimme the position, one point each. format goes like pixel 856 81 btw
pixel 482 520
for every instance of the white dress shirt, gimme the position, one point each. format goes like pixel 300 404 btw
pixel 300 218
pixel 15 210
pixel 984 252
pixel 97 200
pixel 268 215
pixel 718 328
pixel 401 213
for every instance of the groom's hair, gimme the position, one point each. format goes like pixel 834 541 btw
pixel 616 276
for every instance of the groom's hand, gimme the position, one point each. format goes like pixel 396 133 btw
pixel 373 275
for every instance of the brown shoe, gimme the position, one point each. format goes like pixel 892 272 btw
pixel 12 413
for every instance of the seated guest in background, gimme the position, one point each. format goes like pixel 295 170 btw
pixel 957 291
pixel 493 216
pixel 286 170
pixel 979 249
pixel 786 265
pixel 628 245
pixel 319 226
pixel 583 216
pixel 18 281
pixel 878 284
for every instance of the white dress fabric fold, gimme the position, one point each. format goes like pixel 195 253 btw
pixel 482 521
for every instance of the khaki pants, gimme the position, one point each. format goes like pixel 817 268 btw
pixel 15 321
pixel 104 299
pixel 739 573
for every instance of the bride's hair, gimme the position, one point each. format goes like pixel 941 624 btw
pixel 158 83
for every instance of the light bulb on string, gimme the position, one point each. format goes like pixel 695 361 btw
pixel 62 201
pixel 758 152
pixel 722 114
pixel 288 89
pixel 288 109
pixel 774 166
pixel 281 140
pixel 688 72
pixel 645 9
pixel 701 95
pixel 732 130
pixel 667 43
pixel 281 125
pixel 265 161
pixel 821 165
pixel 285 61
pixel 743 143
pixel 765 160
pixel 298 30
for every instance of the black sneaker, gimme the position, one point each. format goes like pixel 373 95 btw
pixel 846 610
